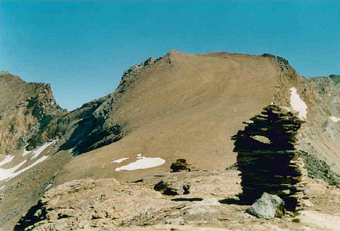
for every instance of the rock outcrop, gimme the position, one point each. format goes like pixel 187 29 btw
pixel 106 204
pixel 25 109
pixel 267 156
pixel 85 204
pixel 172 188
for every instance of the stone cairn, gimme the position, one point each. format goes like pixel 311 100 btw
pixel 268 159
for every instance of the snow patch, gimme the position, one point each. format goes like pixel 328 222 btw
pixel 48 186
pixel 28 167
pixel 142 162
pixel 334 119
pixel 7 159
pixel 298 104
pixel 39 150
pixel 7 174
pixel 120 160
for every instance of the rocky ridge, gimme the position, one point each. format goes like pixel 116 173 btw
pixel 319 137
pixel 25 110
pixel 92 125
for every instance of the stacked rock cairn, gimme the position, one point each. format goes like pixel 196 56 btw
pixel 268 158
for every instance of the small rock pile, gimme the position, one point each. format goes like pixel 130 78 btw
pixel 180 165
pixel 268 159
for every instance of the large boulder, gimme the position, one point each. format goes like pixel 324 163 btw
pixel 268 207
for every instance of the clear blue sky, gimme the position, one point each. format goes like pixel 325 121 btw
pixel 82 48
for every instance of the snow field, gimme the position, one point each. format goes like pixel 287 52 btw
pixel 298 104
pixel 9 173
pixel 142 162
pixel 334 119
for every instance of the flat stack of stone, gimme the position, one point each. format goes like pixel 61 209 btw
pixel 268 159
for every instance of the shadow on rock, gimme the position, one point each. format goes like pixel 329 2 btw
pixel 232 201
pixel 188 199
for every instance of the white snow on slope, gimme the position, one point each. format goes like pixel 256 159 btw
pixel 14 174
pixel 8 173
pixel 142 162
pixel 298 104
pixel 7 159
pixel 48 186
pixel 120 160
pixel 334 119
pixel 39 150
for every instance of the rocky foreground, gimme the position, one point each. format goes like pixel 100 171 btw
pixel 211 204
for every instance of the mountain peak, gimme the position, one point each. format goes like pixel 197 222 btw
pixel 174 52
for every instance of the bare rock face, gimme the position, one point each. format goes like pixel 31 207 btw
pixel 321 134
pixel 85 204
pixel 25 109
pixel 327 92
pixel 105 204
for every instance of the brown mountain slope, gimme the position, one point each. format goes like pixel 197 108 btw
pixel 184 106
pixel 188 106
